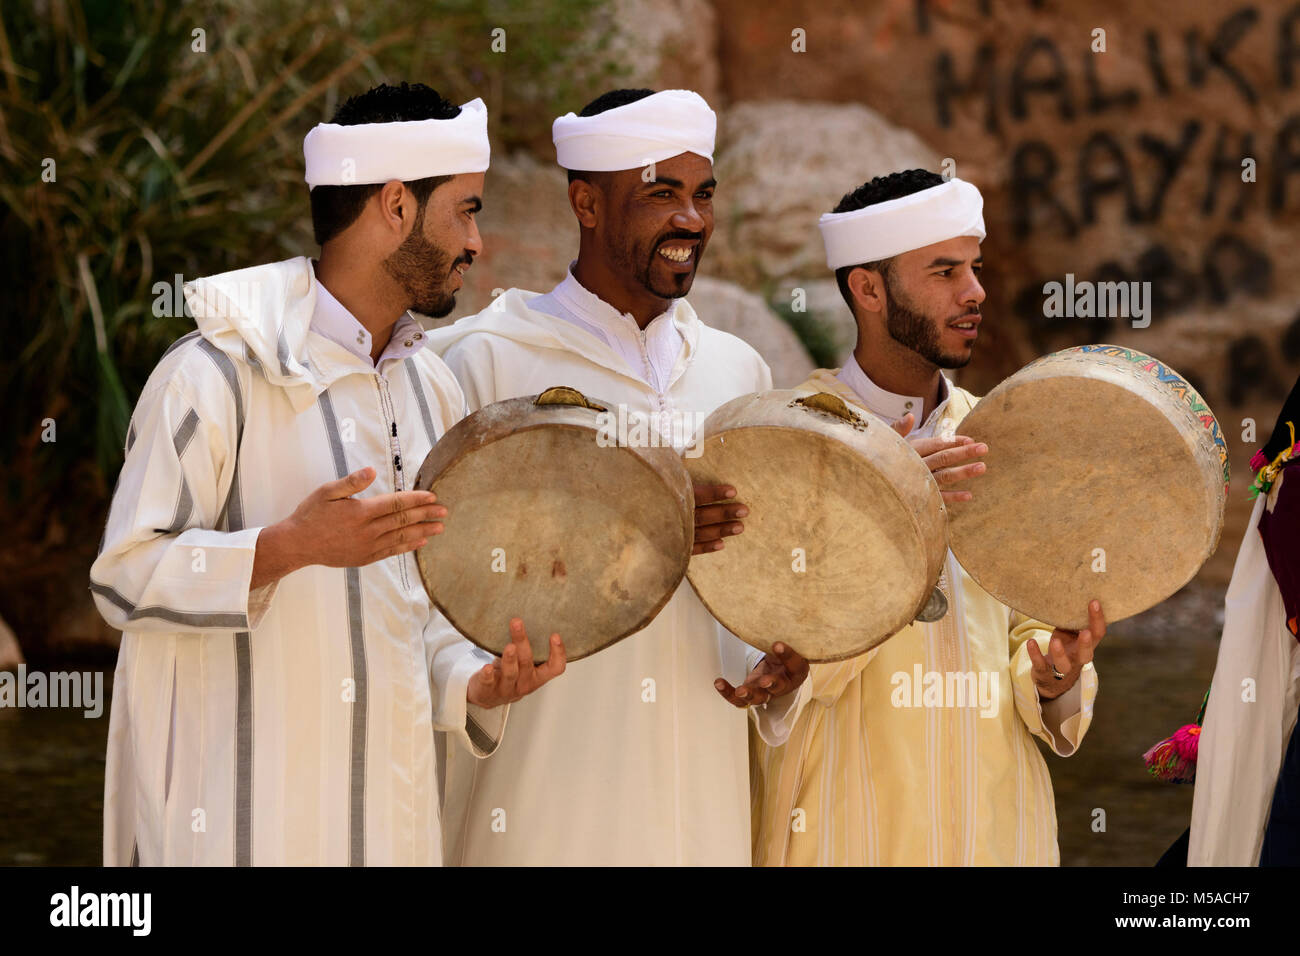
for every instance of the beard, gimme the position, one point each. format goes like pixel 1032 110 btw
pixel 423 271
pixel 920 333
pixel 640 264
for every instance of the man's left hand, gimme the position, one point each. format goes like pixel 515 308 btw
pixel 776 675
pixel 1067 652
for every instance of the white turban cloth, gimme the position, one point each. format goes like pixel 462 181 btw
pixel 413 149
pixel 889 228
pixel 653 128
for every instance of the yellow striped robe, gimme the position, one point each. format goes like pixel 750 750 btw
pixel 864 782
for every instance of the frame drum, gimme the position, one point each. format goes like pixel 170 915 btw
pixel 1107 478
pixel 844 541
pixel 550 522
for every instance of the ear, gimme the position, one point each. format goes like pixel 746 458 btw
pixel 584 198
pixel 396 207
pixel 868 289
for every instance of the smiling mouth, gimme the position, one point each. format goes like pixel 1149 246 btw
pixel 460 268
pixel 677 253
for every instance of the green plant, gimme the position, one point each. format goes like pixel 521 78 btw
pixel 141 139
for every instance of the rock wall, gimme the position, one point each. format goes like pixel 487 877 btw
pixel 1170 156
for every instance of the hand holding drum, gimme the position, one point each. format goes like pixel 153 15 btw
pixel 716 516
pixel 1068 652
pixel 949 459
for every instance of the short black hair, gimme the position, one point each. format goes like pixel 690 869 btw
pixel 334 208
pixel 607 101
pixel 878 190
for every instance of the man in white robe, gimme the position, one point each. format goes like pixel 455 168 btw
pixel 638 755
pixel 273 702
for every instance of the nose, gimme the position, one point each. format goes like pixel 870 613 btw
pixel 689 219
pixel 474 242
pixel 974 293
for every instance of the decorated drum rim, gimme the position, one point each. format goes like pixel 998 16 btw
pixel 1166 376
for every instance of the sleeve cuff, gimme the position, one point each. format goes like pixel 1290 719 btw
pixel 478 729
pixel 775 719
pixel 1062 721
pixel 259 600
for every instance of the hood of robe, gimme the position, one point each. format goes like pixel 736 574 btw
pixel 262 315
pixel 511 317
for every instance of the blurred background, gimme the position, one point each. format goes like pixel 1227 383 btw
pixel 143 140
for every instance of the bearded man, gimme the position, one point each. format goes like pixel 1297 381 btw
pixel 639 755
pixel 866 778
pixel 273 701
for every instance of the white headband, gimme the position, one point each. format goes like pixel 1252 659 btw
pixel 887 229
pixel 651 129
pixel 415 149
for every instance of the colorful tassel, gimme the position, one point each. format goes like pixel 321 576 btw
pixel 1174 758
pixel 1266 472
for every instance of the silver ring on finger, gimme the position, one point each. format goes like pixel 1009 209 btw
pixel 1057 674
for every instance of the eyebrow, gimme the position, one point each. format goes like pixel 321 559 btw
pixel 953 262
pixel 475 203
pixel 678 184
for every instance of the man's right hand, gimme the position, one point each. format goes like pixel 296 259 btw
pixel 949 459
pixel 332 528
pixel 513 674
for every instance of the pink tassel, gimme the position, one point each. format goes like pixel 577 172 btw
pixel 1174 758
pixel 1258 460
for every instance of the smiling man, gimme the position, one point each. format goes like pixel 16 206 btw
pixel 639 755
pixel 876 771
pixel 282 671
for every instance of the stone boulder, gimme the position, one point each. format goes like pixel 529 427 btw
pixel 726 306
pixel 661 45
pixel 780 165
pixel 825 310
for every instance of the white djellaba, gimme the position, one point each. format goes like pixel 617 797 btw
pixel 632 757
pixel 294 724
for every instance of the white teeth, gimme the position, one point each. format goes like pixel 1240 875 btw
pixel 676 255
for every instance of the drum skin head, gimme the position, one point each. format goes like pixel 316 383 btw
pixel 546 525
pixel 1100 484
pixel 835 558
